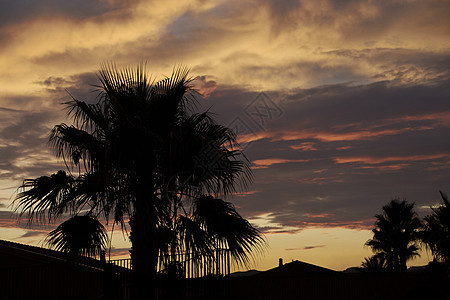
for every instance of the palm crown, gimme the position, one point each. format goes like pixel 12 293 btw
pixel 396 234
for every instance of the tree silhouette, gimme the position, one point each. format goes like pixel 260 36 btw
pixel 137 157
pixel 436 235
pixel 79 235
pixel 396 234
pixel 374 264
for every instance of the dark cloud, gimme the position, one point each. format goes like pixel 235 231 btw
pixel 361 21
pixel 15 11
pixel 391 20
pixel 407 65
pixel 305 248
pixel 282 10
pixel 364 105
pixel 5 109
pixel 54 82
pixel 24 138
pixel 204 86
pixel 33 233
pixel 24 133
pixel 317 72
pixel 277 230
pixel 366 145
pixel 71 58
pixel 9 219
pixel 83 87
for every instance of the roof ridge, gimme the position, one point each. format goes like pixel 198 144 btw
pixel 46 252
pixel 28 248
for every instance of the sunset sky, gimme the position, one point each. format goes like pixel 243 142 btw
pixel 341 105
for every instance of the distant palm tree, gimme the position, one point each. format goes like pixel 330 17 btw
pixel 436 235
pixel 396 234
pixel 79 235
pixel 135 156
pixel 374 264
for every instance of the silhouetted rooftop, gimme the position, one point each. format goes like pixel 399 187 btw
pixel 20 255
pixel 295 268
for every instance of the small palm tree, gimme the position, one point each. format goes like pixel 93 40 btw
pixel 396 234
pixel 374 264
pixel 436 235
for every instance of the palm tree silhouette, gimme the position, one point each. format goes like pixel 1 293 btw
pixel 396 235
pixel 374 264
pixel 436 235
pixel 79 235
pixel 137 157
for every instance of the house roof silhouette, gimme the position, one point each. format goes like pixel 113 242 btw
pixel 295 268
pixel 20 255
pixel 30 272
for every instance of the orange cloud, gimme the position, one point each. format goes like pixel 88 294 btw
pixel 319 180
pixel 325 215
pixel 265 163
pixel 379 160
pixel 251 137
pixel 346 136
pixel 244 194
pixel 442 117
pixel 386 168
pixel 366 224
pixel 203 86
pixel 344 148
pixel 307 146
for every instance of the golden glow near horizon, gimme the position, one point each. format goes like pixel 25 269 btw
pixel 363 86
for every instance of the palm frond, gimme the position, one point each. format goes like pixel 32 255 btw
pixel 72 145
pixel 194 238
pixel 44 197
pixel 226 225
pixel 436 233
pixel 375 264
pixel 79 235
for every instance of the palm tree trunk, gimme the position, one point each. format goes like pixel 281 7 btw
pixel 402 261
pixel 144 250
